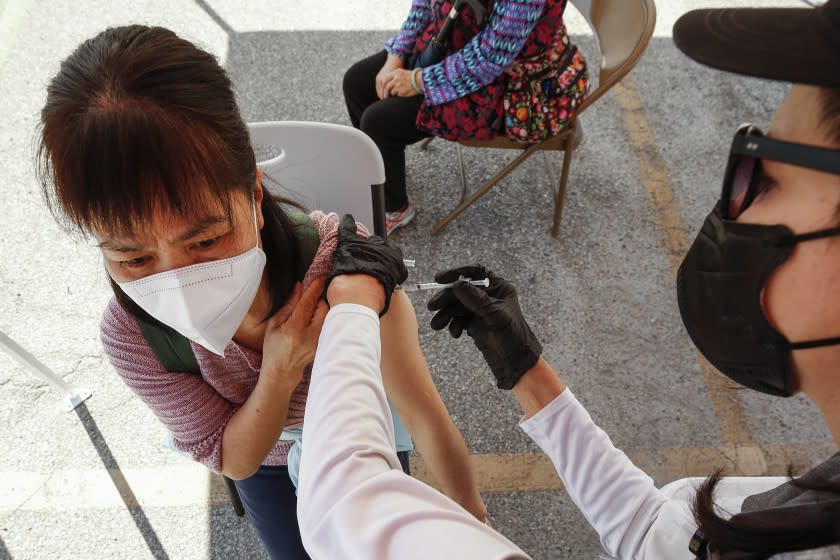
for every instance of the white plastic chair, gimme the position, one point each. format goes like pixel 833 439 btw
pixel 324 166
pixel 321 166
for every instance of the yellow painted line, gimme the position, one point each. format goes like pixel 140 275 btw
pixel 535 472
pixel 191 484
pixel 728 408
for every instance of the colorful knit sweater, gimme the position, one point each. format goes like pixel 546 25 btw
pixel 483 58
pixel 196 409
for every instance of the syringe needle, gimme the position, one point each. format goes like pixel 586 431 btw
pixel 421 286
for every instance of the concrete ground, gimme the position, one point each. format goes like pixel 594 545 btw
pixel 96 484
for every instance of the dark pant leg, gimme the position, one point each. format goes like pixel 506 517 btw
pixel 389 122
pixel 360 85
pixel 270 500
pixel 403 458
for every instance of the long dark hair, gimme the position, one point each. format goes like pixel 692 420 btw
pixel 760 534
pixel 138 120
pixel 831 112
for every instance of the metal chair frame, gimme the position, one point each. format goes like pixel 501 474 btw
pixel 607 19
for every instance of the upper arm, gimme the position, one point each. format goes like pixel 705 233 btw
pixel 419 16
pixel 188 406
pixel 405 374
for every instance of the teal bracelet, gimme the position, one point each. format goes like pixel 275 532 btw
pixel 416 87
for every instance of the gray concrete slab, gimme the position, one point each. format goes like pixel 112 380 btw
pixel 175 533
pixel 546 524
pixel 601 297
pixel 694 128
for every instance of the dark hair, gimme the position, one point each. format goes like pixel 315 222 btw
pixel 760 534
pixel 138 120
pixel 831 112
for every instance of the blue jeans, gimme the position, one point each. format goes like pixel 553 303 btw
pixel 270 500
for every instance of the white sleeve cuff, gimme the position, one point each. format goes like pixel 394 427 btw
pixel 547 414
pixel 353 308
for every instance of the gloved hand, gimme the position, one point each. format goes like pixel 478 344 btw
pixel 491 316
pixel 372 256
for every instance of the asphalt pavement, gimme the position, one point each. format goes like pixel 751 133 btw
pixel 95 483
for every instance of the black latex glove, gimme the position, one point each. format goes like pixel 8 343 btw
pixel 491 316
pixel 372 256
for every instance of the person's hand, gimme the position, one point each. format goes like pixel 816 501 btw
pixel 372 256
pixel 291 336
pixel 360 289
pixel 398 83
pixel 391 63
pixel 492 317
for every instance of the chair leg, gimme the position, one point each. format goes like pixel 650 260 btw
pixel 550 170
pixel 425 143
pixel 463 172
pixel 526 153
pixel 235 500
pixel 560 196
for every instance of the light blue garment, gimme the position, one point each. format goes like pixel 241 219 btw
pixel 293 458
pixel 401 437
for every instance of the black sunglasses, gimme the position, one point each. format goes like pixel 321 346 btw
pixel 743 179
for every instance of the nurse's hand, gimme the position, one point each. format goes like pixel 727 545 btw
pixel 291 336
pixel 372 256
pixel 492 317
pixel 360 289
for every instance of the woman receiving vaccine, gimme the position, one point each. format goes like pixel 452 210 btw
pixel 143 149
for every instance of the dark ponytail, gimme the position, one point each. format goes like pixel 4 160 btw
pixel 760 534
pixel 831 112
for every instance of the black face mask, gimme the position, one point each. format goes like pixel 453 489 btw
pixel 719 288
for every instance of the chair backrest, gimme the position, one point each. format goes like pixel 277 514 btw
pixel 623 29
pixel 326 167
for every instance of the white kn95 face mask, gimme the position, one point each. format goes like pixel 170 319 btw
pixel 205 302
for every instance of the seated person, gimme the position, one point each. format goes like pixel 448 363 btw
pixel 463 97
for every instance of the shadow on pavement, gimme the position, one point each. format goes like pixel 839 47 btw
pixel 121 484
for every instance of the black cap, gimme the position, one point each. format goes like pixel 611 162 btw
pixel 800 45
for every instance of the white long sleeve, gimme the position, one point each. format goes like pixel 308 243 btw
pixel 353 500
pixel 634 519
pixel 620 501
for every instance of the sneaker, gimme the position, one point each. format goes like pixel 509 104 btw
pixel 400 218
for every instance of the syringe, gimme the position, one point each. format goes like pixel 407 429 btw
pixel 419 286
